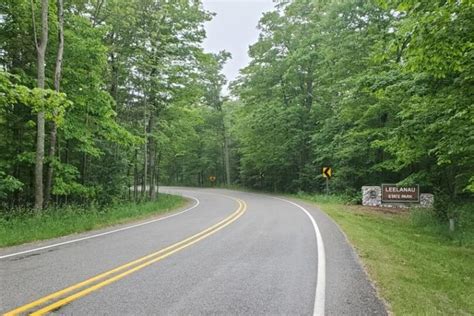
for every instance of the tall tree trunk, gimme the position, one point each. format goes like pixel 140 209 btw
pixel 145 156
pixel 41 52
pixel 66 160
pixel 135 176
pixel 152 150
pixel 221 172
pixel 83 171
pixel 57 83
pixel 158 173
pixel 114 77
pixel 226 157
pixel 152 193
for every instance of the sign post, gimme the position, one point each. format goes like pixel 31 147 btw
pixel 327 173
pixel 212 179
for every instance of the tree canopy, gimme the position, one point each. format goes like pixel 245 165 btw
pixel 134 91
pixel 381 91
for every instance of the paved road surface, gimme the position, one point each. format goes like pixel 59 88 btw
pixel 227 253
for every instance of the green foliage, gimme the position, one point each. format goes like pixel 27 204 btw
pixel 19 225
pixel 8 184
pixel 133 76
pixel 420 267
pixel 379 90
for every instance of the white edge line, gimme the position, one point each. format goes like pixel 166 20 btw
pixel 320 295
pixel 104 233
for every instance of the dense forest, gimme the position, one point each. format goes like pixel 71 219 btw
pixel 98 97
pixel 381 91
pixel 101 97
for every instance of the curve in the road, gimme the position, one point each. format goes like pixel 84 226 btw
pixel 93 284
pixel 272 262
pixel 104 233
pixel 319 299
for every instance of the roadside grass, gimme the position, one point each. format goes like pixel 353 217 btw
pixel 21 226
pixel 419 267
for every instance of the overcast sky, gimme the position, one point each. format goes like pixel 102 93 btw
pixel 233 29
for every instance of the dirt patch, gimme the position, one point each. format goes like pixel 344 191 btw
pixel 379 209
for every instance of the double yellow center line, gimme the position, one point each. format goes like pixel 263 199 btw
pixel 65 296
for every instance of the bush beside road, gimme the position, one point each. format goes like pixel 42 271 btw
pixel 20 226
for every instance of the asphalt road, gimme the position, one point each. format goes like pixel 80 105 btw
pixel 226 253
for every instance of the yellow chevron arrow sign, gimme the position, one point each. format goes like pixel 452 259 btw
pixel 327 172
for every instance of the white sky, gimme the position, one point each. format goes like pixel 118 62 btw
pixel 234 29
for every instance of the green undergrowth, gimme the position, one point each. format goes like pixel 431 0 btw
pixel 419 267
pixel 21 226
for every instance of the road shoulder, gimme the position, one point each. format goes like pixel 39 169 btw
pixel 108 229
pixel 349 287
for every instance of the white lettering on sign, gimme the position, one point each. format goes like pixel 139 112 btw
pixel 400 194
pixel 398 190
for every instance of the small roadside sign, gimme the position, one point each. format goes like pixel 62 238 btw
pixel 212 178
pixel 327 172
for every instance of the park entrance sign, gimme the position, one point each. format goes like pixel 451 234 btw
pixel 398 196
pixel 392 193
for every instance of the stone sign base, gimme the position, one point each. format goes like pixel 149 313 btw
pixel 372 196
